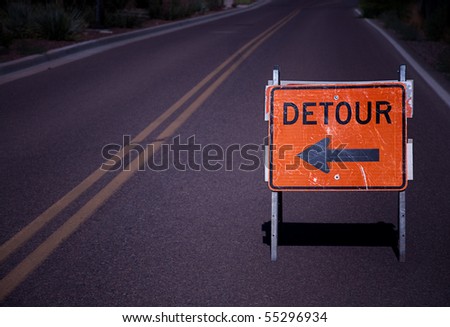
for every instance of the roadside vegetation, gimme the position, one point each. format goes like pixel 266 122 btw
pixel 242 2
pixel 66 20
pixel 425 22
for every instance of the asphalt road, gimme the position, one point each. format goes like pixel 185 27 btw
pixel 199 237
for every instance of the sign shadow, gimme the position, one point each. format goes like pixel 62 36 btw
pixel 334 234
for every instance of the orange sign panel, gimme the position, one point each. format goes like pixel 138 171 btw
pixel 337 136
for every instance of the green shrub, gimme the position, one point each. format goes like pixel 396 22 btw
pixel 406 31
pixel 90 16
pixel 374 8
pixel 197 6
pixel 243 2
pixel 155 8
pixel 115 5
pixel 176 9
pixel 444 61
pixel 19 19
pixel 143 4
pixel 214 4
pixel 123 19
pixel 54 23
pixel 6 37
pixel 437 23
pixel 434 15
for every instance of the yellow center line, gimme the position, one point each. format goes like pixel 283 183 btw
pixel 15 277
pixel 26 233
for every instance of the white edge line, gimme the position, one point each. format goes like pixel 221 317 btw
pixel 440 91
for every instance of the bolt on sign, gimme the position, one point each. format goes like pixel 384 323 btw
pixel 342 136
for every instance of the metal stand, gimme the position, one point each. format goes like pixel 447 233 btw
pixel 277 215
pixel 402 201
pixel 401 226
pixel 277 197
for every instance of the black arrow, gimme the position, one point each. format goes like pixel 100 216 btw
pixel 319 155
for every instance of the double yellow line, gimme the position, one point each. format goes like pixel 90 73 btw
pixel 35 258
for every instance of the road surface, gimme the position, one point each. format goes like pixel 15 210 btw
pixel 75 235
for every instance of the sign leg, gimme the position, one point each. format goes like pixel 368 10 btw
pixel 277 210
pixel 277 197
pixel 402 226
pixel 402 200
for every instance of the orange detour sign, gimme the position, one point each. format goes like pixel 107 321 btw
pixel 344 136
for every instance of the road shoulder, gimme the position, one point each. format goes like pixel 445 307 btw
pixel 33 64
pixel 438 81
